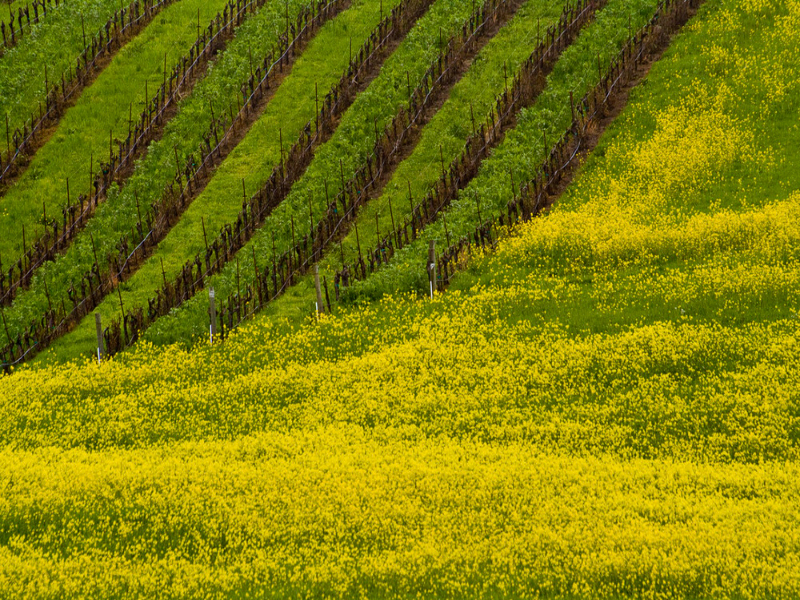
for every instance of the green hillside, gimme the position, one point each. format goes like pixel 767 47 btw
pixel 601 402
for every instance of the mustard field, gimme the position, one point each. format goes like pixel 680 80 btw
pixel 603 403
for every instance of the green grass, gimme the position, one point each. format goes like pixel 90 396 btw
pixel 156 169
pixel 56 41
pixel 83 131
pixel 351 143
pixel 293 104
pixel 13 5
pixel 9 7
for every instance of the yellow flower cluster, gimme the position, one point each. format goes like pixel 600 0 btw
pixel 607 407
pixel 338 513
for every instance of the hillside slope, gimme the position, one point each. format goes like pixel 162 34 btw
pixel 604 407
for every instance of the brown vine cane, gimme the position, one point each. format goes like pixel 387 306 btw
pixel 11 35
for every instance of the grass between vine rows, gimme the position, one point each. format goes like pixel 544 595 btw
pixel 607 406
pixel 522 150
pixel 13 5
pixel 156 169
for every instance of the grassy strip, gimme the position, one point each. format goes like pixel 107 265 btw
pixel 156 169
pixel 15 5
pixel 343 153
pixel 441 140
pixel 83 132
pixel 521 152
pixel 322 63
pixel 55 42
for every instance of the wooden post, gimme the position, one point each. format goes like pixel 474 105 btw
pixel 178 165
pixel 212 313
pixel 432 265
pixel 320 304
pixel 238 283
pixel 138 208
pixel 99 327
pixel 122 310
pixel 391 215
pixel 47 294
